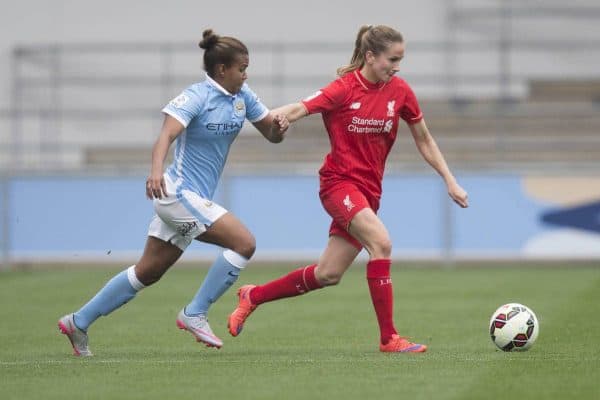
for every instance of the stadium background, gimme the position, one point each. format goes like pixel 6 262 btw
pixel 509 89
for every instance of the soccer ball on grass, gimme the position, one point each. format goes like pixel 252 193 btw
pixel 514 327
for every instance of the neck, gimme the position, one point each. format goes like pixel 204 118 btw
pixel 368 74
pixel 223 85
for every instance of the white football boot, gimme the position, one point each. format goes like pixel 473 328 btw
pixel 199 327
pixel 77 337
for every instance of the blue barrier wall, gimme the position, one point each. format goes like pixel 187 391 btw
pixel 70 217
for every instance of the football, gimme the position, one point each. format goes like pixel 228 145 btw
pixel 514 327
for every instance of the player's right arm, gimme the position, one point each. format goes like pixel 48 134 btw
pixel 293 112
pixel 326 99
pixel 155 184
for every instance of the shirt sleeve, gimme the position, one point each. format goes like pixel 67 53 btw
pixel 255 109
pixel 329 98
pixel 411 112
pixel 184 107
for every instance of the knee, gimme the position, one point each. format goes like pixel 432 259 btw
pixel 246 248
pixel 380 248
pixel 328 278
pixel 148 274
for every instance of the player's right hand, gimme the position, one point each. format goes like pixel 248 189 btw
pixel 280 123
pixel 156 187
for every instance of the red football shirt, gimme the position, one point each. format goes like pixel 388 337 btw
pixel 361 119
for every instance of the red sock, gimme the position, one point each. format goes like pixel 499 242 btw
pixel 295 283
pixel 382 295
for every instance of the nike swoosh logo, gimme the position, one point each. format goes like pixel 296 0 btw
pixel 211 109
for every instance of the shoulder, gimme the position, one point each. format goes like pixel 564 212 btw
pixel 246 90
pixel 348 80
pixel 194 93
pixel 399 83
pixel 248 94
pixel 341 86
pixel 401 87
pixel 198 90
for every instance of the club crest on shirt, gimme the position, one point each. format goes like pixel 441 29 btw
pixel 390 108
pixel 239 108
pixel 180 101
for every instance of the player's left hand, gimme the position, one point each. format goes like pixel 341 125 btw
pixel 458 194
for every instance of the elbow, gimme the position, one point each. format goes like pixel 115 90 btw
pixel 275 138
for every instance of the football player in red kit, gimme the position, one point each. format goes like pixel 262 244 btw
pixel 361 110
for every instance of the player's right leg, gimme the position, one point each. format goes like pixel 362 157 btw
pixel 158 256
pixel 334 261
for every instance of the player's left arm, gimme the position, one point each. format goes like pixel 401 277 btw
pixel 272 127
pixel 431 153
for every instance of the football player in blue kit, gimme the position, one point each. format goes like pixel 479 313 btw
pixel 203 120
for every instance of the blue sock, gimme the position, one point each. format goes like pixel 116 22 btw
pixel 118 291
pixel 221 275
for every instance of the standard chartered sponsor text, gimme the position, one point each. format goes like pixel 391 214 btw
pixel 366 125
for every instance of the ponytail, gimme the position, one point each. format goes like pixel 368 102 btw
pixel 358 59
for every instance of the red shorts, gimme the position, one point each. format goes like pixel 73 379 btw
pixel 343 201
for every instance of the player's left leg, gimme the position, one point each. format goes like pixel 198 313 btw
pixel 332 264
pixel 373 235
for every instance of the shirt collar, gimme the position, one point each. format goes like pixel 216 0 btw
pixel 214 83
pixel 366 83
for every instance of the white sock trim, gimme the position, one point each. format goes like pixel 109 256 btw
pixel 133 279
pixel 235 259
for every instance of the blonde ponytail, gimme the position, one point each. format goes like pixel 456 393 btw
pixel 358 59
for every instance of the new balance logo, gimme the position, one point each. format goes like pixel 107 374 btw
pixel 355 106
pixel 348 203
pixel 386 281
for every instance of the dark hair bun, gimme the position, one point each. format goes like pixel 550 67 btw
pixel 209 39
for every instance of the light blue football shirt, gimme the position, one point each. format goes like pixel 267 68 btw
pixel 213 117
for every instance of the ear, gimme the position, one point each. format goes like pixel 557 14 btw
pixel 369 57
pixel 220 70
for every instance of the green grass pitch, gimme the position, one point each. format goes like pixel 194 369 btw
pixel 319 346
